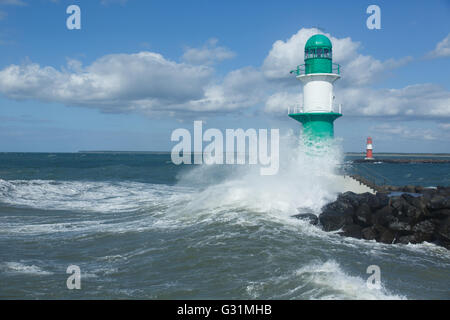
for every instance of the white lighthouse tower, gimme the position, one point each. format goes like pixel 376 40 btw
pixel 317 75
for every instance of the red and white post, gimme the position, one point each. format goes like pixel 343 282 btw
pixel 369 155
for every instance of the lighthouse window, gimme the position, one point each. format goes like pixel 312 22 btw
pixel 319 52
pixel 309 53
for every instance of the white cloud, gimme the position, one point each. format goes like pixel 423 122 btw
pixel 356 69
pixel 240 89
pixel 208 54
pixel 146 82
pixel 442 49
pixel 358 72
pixel 279 102
pixel 391 131
pixel 415 101
pixel 118 82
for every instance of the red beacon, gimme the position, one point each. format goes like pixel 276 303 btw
pixel 369 155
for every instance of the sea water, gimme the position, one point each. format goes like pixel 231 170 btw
pixel 140 227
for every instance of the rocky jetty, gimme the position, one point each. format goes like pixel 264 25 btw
pixel 410 160
pixel 405 215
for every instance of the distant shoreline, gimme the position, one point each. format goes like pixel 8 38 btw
pixel 375 155
pixel 434 155
pixel 358 154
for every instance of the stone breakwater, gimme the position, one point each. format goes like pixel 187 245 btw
pixel 402 160
pixel 399 215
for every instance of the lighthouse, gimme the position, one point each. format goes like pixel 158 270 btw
pixel 317 75
pixel 369 155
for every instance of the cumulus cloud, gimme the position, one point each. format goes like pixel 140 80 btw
pixel 118 82
pixel 146 82
pixel 442 49
pixel 414 101
pixel 390 131
pixel 280 102
pixel 241 89
pixel 353 90
pixel 356 68
pixel 208 54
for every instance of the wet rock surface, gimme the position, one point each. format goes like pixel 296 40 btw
pixel 310 217
pixel 400 215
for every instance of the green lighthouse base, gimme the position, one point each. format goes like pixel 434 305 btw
pixel 317 126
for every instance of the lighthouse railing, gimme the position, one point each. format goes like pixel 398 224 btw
pixel 301 69
pixel 336 68
pixel 298 108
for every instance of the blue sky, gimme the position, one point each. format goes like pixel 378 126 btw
pixel 139 69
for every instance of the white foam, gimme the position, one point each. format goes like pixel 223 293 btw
pixel 337 284
pixel 20 268
pixel 102 197
pixel 319 280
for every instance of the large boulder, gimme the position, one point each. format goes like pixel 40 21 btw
pixel 412 213
pixel 398 203
pixel 425 227
pixel 384 235
pixel 374 202
pixel 439 202
pixel 418 202
pixel 439 214
pixel 351 230
pixel 336 214
pixel 443 230
pixel 341 206
pixel 428 193
pixel 384 216
pixel 353 198
pixel 369 233
pixel 383 199
pixel 363 215
pixel 445 191
pixel 309 217
pixel 424 230
pixel 334 220
pixel 412 238
pixel 400 226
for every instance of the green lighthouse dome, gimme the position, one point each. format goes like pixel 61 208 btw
pixel 318 41
pixel 318 54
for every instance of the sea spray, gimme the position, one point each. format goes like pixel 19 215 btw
pixel 304 179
